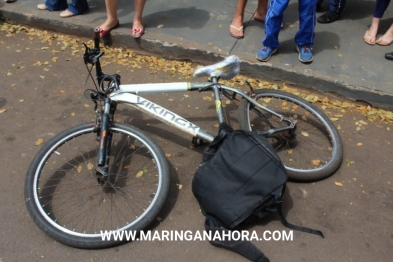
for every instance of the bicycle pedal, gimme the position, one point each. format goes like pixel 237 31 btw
pixel 198 142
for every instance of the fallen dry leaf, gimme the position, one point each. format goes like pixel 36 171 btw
pixel 90 166
pixel 3 110
pixel 131 59
pixel 316 162
pixel 39 141
pixel 139 174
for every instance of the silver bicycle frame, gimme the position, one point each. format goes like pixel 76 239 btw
pixel 129 94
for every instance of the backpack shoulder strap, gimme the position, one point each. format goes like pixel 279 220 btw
pixel 278 195
pixel 211 149
pixel 244 248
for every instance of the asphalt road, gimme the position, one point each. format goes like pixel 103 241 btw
pixel 42 87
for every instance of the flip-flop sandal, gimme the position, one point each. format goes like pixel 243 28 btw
pixel 239 29
pixel 104 32
pixel 386 38
pixel 137 33
pixel 372 42
pixel 66 14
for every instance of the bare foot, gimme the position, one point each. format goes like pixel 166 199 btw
pixel 138 25
pixel 108 24
pixel 260 17
pixel 386 39
pixel 66 13
pixel 370 35
pixel 137 29
pixel 236 28
pixel 369 38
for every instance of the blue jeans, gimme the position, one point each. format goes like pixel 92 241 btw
pixel 274 18
pixel 76 7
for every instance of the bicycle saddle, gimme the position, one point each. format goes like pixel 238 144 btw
pixel 226 69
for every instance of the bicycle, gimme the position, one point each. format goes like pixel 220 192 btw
pixel 112 176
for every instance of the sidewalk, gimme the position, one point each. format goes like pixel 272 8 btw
pixel 199 31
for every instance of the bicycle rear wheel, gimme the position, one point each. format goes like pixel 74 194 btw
pixel 71 202
pixel 311 151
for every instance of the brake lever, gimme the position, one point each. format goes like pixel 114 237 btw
pixel 86 54
pixel 90 57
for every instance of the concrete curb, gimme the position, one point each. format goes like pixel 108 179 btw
pixel 178 48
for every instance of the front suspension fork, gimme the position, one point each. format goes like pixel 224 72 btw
pixel 105 139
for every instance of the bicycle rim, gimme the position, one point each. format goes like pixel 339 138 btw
pixel 71 197
pixel 313 150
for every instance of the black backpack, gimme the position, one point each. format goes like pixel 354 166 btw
pixel 240 178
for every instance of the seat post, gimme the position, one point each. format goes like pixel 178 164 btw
pixel 217 99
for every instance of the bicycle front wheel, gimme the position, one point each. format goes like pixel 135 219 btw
pixel 312 150
pixel 71 202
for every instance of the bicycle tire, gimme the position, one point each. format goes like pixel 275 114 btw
pixel 69 203
pixel 313 150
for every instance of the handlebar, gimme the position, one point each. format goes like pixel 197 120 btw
pixel 92 56
pixel 97 39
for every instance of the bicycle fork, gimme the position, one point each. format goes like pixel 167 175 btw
pixel 105 140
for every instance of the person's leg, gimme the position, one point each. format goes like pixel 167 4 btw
pixel 379 9
pixel 336 6
pixel 371 33
pixel 305 36
pixel 111 13
pixel 137 25
pixel 319 6
pixel 56 5
pixel 273 22
pixel 307 18
pixel 334 13
pixel 261 12
pixel 78 7
pixel 236 27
